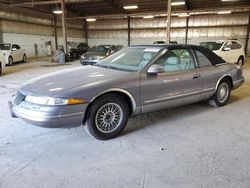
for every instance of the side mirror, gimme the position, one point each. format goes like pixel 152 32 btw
pixel 13 49
pixel 155 69
pixel 226 49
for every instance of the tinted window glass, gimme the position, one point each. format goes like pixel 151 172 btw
pixel 17 47
pixel 176 60
pixel 5 46
pixel 211 45
pixel 235 45
pixel 202 59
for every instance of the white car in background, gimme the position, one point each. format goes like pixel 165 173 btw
pixel 2 62
pixel 231 51
pixel 12 53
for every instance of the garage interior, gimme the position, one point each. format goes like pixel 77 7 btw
pixel 190 146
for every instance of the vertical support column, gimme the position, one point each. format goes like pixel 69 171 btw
pixel 55 29
pixel 1 34
pixel 64 26
pixel 186 32
pixel 168 22
pixel 128 30
pixel 247 35
pixel 86 31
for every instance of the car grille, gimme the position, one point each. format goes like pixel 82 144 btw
pixel 18 98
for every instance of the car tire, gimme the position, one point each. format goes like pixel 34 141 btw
pixel 240 61
pixel 10 61
pixel 222 94
pixel 107 117
pixel 24 57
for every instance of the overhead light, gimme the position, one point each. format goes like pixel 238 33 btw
pixel 163 14
pixel 148 17
pixel 57 11
pixel 183 15
pixel 225 12
pixel 90 19
pixel 129 7
pixel 178 3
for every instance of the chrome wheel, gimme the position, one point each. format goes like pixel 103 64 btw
pixel 223 92
pixel 109 117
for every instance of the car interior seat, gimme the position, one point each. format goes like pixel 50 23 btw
pixel 172 64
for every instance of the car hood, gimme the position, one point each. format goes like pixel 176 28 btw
pixel 60 81
pixel 94 54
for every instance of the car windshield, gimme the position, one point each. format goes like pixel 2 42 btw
pixel 130 59
pixel 100 48
pixel 5 46
pixel 211 45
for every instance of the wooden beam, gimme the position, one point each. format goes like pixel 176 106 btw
pixel 35 3
pixel 116 6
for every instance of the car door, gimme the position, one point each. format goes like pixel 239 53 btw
pixel 14 53
pixel 226 52
pixel 19 52
pixel 210 74
pixel 178 84
pixel 237 51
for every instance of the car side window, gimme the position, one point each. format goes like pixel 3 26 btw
pixel 203 61
pixel 176 60
pixel 17 47
pixel 235 45
pixel 228 45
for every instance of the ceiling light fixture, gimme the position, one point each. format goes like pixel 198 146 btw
pixel 148 17
pixel 225 12
pixel 57 11
pixel 90 19
pixel 178 3
pixel 129 7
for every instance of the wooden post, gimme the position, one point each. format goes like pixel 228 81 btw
pixel 168 22
pixel 55 29
pixel 247 35
pixel 64 27
pixel 128 30
pixel 186 32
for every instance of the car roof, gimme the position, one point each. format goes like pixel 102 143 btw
pixel 208 53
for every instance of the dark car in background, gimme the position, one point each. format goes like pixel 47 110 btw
pixel 75 51
pixel 97 53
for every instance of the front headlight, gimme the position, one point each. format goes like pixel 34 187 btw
pixel 99 57
pixel 53 101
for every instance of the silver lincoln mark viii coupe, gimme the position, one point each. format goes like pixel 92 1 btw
pixel 135 80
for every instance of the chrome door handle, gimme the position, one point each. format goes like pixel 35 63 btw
pixel 196 76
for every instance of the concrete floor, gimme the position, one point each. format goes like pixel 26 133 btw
pixel 190 146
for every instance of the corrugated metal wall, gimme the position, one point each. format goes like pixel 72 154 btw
pixel 114 31
pixel 146 31
pixel 27 31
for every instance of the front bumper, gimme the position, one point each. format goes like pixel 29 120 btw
pixel 238 83
pixel 49 116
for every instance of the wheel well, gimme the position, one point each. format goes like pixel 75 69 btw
pixel 241 57
pixel 123 95
pixel 229 78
